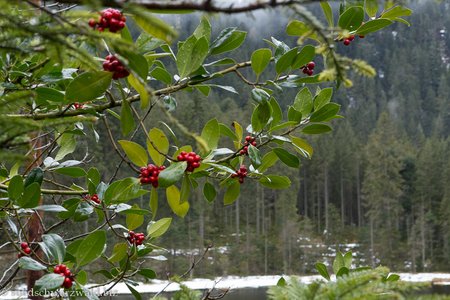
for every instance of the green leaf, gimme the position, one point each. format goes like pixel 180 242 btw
pixel 88 86
pixel 173 198
pixel 287 158
pixel 304 102
pixel 158 228
pixel 172 174
pixel 254 155
pixel 147 273
pixel 342 271
pixel 352 18
pixel 326 112
pixel 232 193
pixel 51 208
pixel 316 129
pixel 275 181
pixel 71 171
pixel 82 277
pixel 191 55
pixel 228 40
pixel 322 269
pixel 268 160
pixel 211 133
pixel 305 55
pixel 372 26
pixel 395 12
pixel 91 248
pixel 323 98
pixel 127 123
pixel 348 259
pixel 36 175
pixel 15 187
pixel 393 278
pixel 260 95
pixel 281 282
pixel 328 12
pixel 286 60
pixel 67 144
pixel 155 26
pixel 135 61
pixel 30 197
pixel 302 146
pixel 260 60
pixel 135 152
pixel 209 192
pixel 157 137
pixel 154 202
pixel 49 282
pixel 338 262
pixel 140 88
pixel 55 245
pixel 162 75
pixel 27 263
pixel 185 189
pixel 203 29
pixel 82 212
pixel 277 114
pixel 371 7
pixel 133 291
pixel 261 116
pixel 297 28
pixel 123 190
pixel 133 221
pixel 119 252
pixel 294 115
pixel 45 94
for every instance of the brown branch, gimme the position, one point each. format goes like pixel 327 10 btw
pixel 206 6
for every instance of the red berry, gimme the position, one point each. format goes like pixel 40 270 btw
pixel 27 250
pixel 305 71
pixel 351 37
pixel 311 65
pixel 361 36
pixel 195 164
pixel 24 245
pixel 57 270
pixel 92 23
pixel 62 268
pixel 346 42
pixel 310 72
pixel 67 284
pixel 241 180
pixel 67 273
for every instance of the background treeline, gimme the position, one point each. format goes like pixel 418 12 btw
pixel 379 184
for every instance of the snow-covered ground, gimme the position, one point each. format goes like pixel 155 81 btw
pixel 230 282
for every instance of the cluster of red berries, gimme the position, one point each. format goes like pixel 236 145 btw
pixel 241 173
pixel 150 174
pixel 112 64
pixel 308 68
pixel 93 198
pixel 135 238
pixel 77 105
pixel 65 271
pixel 249 140
pixel 109 18
pixel 350 39
pixel 193 160
pixel 25 248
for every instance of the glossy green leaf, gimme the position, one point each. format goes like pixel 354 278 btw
pixel 140 88
pixel 133 220
pixel 15 187
pixel 91 248
pixel 261 115
pixel 232 193
pixel 277 114
pixel 294 115
pixel 373 25
pixel 27 263
pixel 351 18
pixel 49 282
pixel 172 174
pixel 30 197
pixel 185 189
pixel 302 146
pixel 268 160
pixel 55 245
pixel 88 86
pixel 50 208
pixel 228 40
pixel 304 102
pixel 275 181
pixel 326 112
pixel 203 29
pixel 154 202
pixel 191 55
pixel 136 62
pixel 71 171
pixel 305 55
pixel 119 252
pixel 45 94
pixel 260 60
pixel 254 155
pixel 35 175
pixel 297 28
pixel 127 123
pixel 287 158
pixel 123 191
pixel 147 273
pixel 396 12
pixel 157 146
pixel 316 129
pixel 174 200
pixel 162 75
pixel 155 27
pixel 328 12
pixel 211 133
pixel 135 152
pixel 67 144
pixel 260 95
pixel 286 61
pixel 371 7
pixel 158 228
pixel 322 269
pixel 323 98
pixel 209 192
